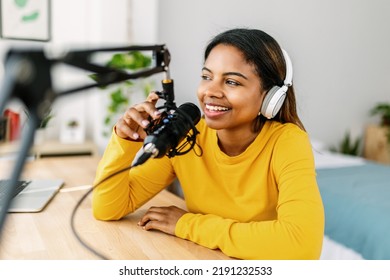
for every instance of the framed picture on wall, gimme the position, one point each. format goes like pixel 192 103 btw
pixel 25 19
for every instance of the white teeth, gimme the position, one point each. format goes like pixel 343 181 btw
pixel 216 108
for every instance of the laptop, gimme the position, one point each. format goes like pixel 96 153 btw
pixel 33 195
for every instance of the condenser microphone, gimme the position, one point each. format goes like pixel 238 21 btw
pixel 168 131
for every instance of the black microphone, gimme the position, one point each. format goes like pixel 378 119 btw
pixel 165 133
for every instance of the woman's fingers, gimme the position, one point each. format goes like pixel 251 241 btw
pixel 136 118
pixel 162 218
pixel 152 97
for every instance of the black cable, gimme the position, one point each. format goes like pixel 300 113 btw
pixel 72 219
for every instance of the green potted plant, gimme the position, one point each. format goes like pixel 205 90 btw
pixel 40 132
pixel 45 120
pixel 348 146
pixel 383 110
pixel 119 97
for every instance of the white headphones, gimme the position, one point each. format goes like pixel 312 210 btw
pixel 274 98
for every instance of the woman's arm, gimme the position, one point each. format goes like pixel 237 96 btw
pixel 126 191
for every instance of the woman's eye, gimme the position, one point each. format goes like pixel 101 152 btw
pixel 232 83
pixel 205 77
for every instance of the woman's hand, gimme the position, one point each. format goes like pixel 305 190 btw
pixel 162 218
pixel 131 125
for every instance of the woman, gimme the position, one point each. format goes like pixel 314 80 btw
pixel 255 194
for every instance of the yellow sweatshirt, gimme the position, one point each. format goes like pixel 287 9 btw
pixel 261 204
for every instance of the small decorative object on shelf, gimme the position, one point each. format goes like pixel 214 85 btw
pixel 72 131
pixel 10 125
pixel 40 132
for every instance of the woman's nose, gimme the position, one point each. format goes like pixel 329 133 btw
pixel 213 89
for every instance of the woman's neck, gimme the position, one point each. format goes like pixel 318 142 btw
pixel 234 143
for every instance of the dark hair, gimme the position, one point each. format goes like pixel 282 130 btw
pixel 262 51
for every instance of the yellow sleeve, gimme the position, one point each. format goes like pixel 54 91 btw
pixel 255 240
pixel 297 231
pixel 125 192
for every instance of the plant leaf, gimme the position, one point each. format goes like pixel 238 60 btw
pixel 132 61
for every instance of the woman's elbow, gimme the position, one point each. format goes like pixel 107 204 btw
pixel 98 214
pixel 108 213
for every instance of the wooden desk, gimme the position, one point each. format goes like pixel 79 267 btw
pixel 48 235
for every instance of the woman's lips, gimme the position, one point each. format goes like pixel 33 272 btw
pixel 212 110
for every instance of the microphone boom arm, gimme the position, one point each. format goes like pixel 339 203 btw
pixel 108 75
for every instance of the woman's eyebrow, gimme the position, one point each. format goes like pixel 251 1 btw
pixel 235 74
pixel 228 73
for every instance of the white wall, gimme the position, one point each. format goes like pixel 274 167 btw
pixel 339 49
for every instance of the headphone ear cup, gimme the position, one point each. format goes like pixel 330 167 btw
pixel 273 101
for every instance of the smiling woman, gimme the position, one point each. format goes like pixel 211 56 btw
pixel 252 193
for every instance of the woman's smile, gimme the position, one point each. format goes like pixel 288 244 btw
pixel 213 111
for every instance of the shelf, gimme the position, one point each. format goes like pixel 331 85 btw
pixel 52 149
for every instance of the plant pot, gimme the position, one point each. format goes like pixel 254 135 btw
pixel 385 121
pixel 40 136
